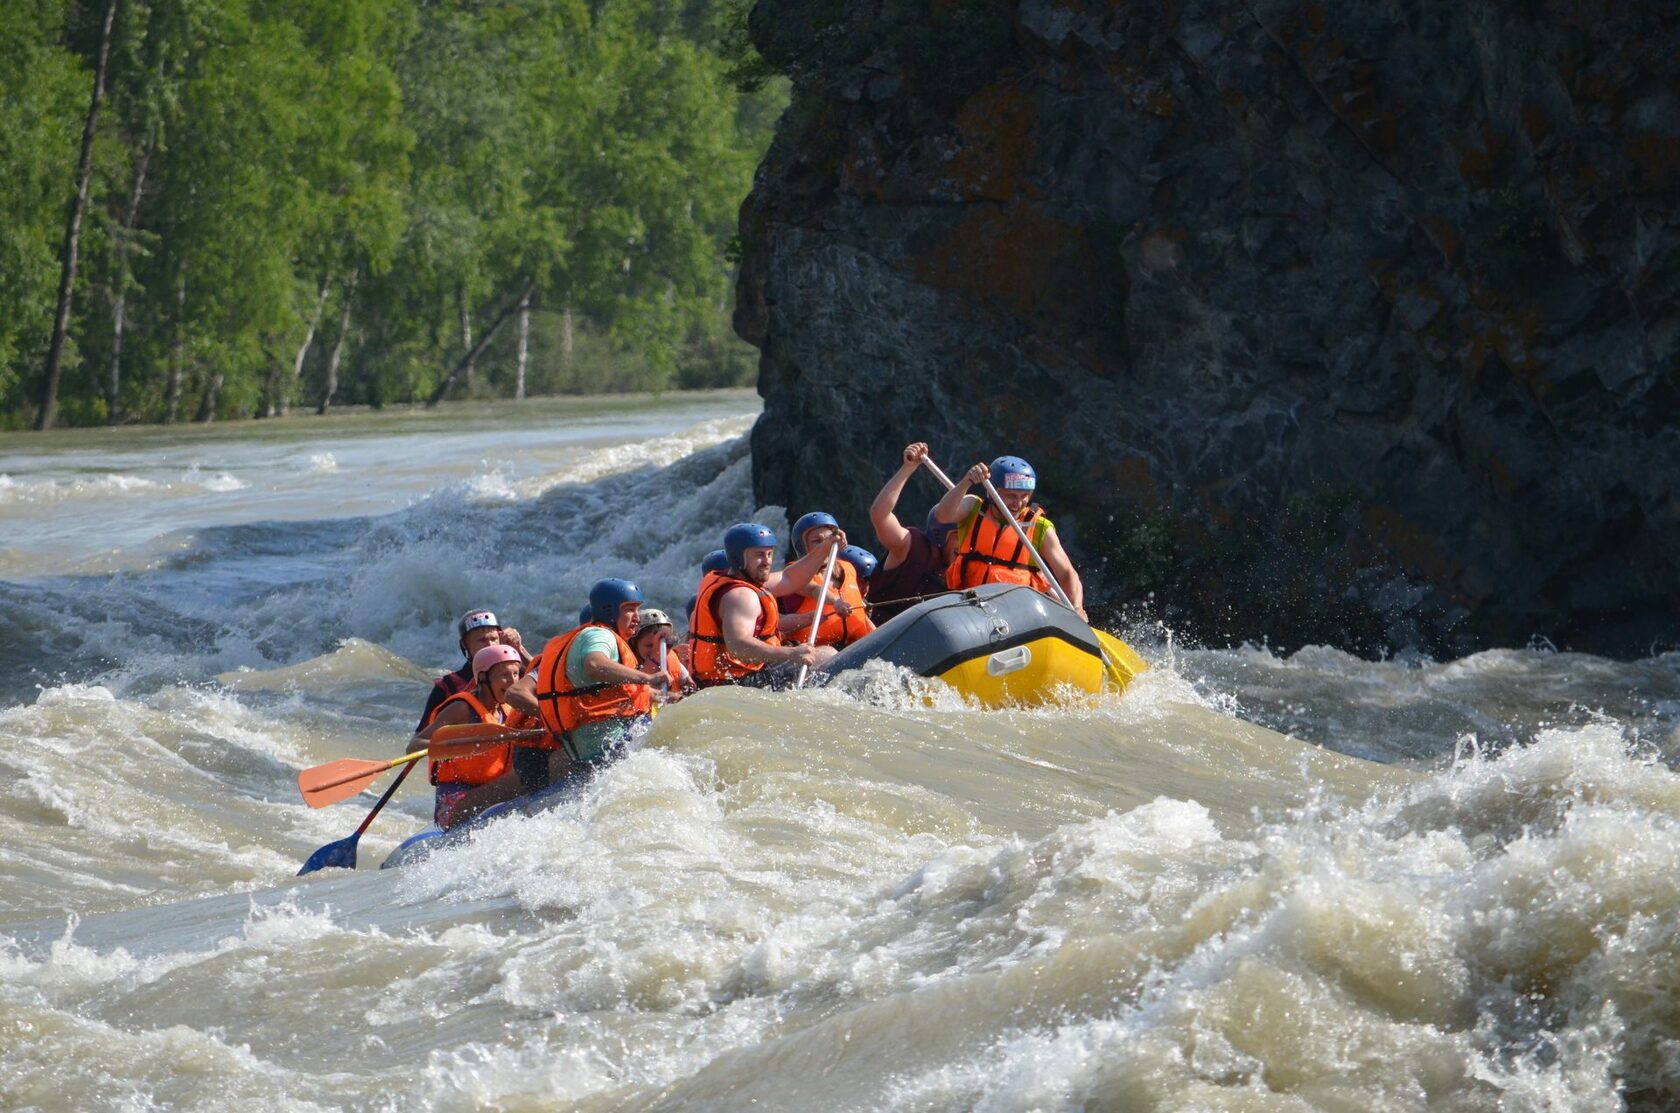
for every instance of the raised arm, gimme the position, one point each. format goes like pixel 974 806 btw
pixel 954 507
pixel 882 512
pixel 795 576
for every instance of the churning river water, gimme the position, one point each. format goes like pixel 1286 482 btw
pixel 1253 882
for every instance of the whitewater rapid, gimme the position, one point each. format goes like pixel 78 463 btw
pixel 1256 881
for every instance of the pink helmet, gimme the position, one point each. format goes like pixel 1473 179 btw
pixel 491 656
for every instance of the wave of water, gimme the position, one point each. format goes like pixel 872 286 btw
pixel 114 485
pixel 870 897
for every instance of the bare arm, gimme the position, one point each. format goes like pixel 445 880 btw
pixel 598 666
pixel 1056 560
pixel 882 512
pixel 738 613
pixel 795 576
pixel 956 504
pixel 788 623
pixel 522 695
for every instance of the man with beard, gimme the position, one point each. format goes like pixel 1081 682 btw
pixel 737 627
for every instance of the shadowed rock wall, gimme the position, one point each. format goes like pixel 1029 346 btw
pixel 1353 323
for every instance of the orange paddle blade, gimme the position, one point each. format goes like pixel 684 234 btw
pixel 338 780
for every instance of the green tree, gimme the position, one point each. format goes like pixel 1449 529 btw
pixel 44 87
pixel 70 252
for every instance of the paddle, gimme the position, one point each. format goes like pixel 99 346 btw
pixel 1114 670
pixel 337 780
pixel 341 855
pixel 822 599
pixel 684 681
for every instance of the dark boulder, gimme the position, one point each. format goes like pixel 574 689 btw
pixel 1345 323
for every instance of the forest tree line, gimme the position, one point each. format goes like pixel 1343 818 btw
pixel 231 208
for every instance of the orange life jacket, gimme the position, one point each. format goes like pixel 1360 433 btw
pixel 712 663
pixel 565 708
pixel 990 552
pixel 484 766
pixel 836 629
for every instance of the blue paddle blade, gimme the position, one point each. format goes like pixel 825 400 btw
pixel 339 855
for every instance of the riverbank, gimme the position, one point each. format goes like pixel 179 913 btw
pixel 454 416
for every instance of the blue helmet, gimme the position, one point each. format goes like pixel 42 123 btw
pixel 585 615
pixel 1011 473
pixel 861 559
pixel 738 538
pixel 715 561
pixel 936 530
pixel 807 522
pixel 608 595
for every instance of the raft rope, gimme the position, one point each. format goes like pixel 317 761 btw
pixel 912 599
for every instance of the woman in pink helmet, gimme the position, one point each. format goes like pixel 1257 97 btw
pixel 468 785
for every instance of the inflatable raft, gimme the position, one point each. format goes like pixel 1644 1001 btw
pixel 998 644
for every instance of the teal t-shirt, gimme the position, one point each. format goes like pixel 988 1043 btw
pixel 592 740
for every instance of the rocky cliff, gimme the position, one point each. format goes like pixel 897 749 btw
pixel 1354 323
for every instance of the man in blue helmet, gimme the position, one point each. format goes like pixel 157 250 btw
pixel 863 562
pixel 475 630
pixel 988 549
pixel 845 618
pixel 813 529
pixel 737 628
pixel 914 565
pixel 587 687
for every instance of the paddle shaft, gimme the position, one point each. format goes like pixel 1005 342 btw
pixel 1038 559
pixel 664 652
pixel 1015 524
pixel 383 800
pixel 367 773
pixel 822 600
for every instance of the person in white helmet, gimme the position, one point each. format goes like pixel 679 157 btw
pixel 475 630
pixel 655 649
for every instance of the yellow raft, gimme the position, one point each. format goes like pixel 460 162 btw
pixel 998 644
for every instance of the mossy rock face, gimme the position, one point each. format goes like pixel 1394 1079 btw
pixel 1355 324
